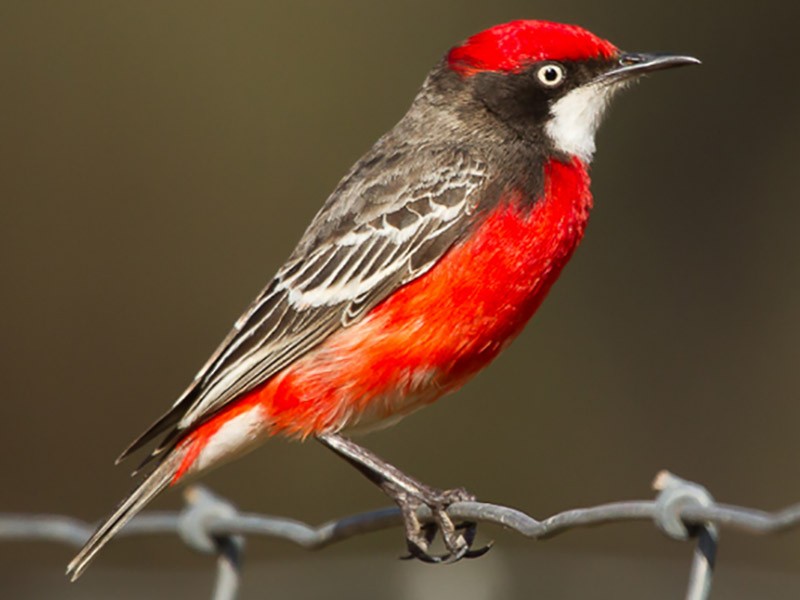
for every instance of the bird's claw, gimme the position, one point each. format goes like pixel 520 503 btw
pixel 471 528
pixel 418 543
pixel 457 539
pixel 463 545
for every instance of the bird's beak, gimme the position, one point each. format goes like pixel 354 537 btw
pixel 633 64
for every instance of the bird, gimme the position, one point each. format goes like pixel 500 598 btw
pixel 424 263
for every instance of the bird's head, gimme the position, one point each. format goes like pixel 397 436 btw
pixel 547 81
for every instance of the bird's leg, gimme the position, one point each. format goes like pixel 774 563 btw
pixel 410 494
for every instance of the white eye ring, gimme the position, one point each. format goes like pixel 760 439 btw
pixel 551 75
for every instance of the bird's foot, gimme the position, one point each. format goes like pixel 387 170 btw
pixel 457 538
pixel 411 495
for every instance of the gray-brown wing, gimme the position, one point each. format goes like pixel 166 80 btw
pixel 382 227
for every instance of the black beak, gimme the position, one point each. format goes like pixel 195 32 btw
pixel 633 64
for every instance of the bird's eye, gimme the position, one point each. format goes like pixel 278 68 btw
pixel 550 75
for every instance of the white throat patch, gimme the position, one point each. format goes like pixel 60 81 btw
pixel 575 118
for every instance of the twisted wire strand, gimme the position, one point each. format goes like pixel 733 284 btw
pixel 682 510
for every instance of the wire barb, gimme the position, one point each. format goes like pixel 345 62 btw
pixel 203 508
pixel 675 495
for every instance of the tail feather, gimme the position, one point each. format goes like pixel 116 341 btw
pixel 154 483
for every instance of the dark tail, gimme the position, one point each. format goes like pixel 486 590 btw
pixel 156 481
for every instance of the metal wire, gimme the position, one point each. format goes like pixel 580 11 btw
pixel 682 510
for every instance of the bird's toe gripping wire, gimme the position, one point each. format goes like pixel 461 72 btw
pixel 411 496
pixel 458 538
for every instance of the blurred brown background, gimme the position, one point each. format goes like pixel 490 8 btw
pixel 158 160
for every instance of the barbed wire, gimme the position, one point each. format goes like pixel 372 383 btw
pixel 683 510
